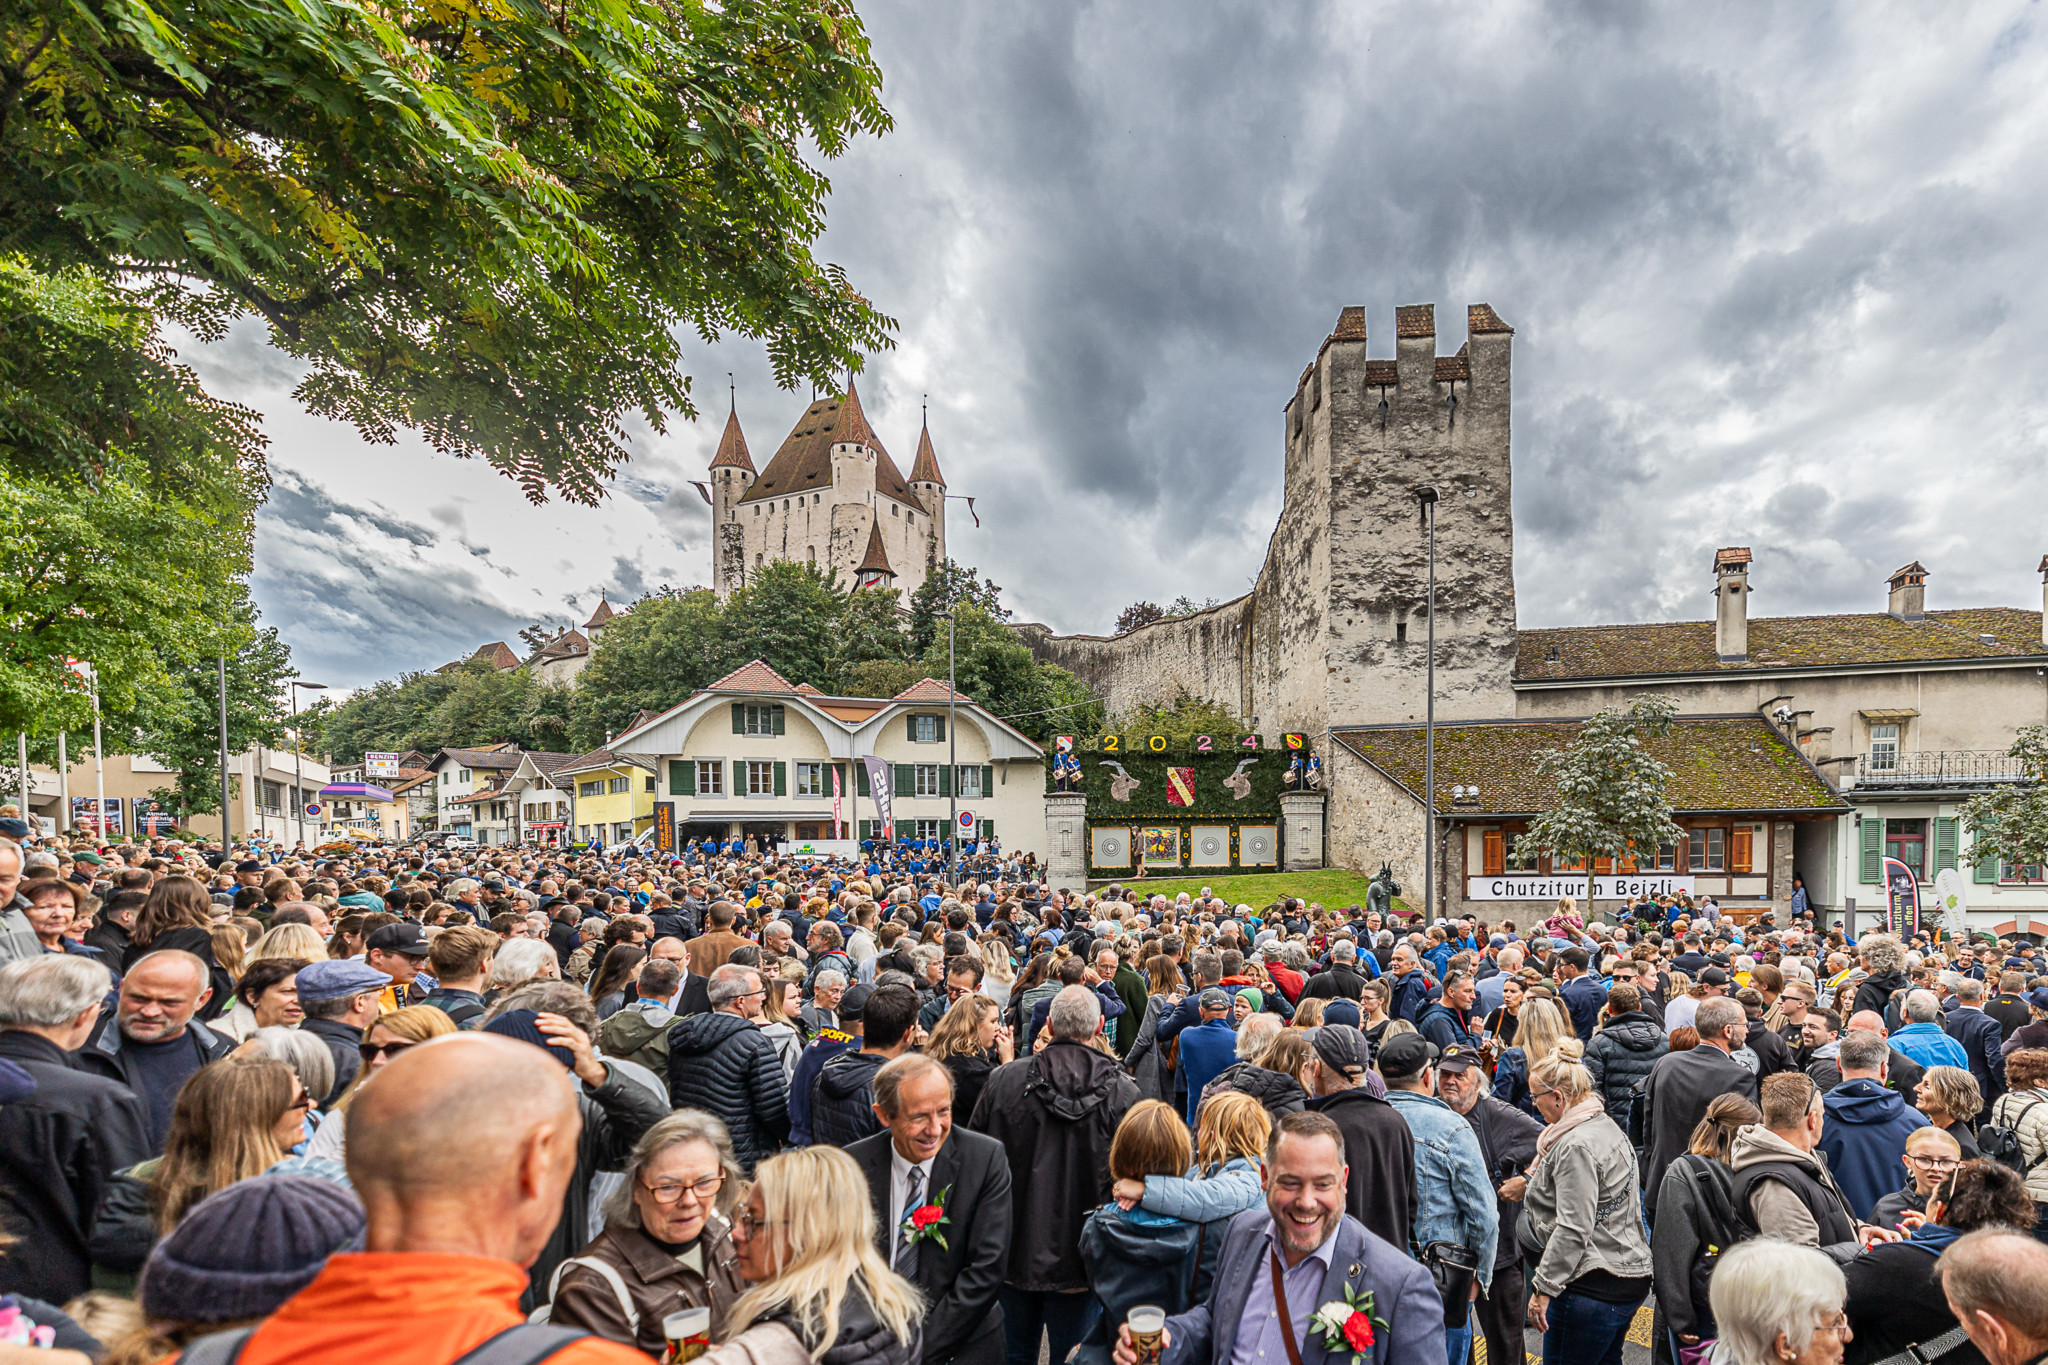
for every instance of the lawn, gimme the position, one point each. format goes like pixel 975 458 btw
pixel 1333 887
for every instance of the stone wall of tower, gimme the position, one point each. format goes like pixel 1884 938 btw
pixel 728 541
pixel 1333 630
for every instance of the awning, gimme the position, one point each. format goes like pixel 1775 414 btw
pixel 556 824
pixel 361 791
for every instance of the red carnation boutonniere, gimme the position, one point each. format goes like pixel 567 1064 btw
pixel 923 1223
pixel 1348 1326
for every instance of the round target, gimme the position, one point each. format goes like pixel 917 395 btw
pixel 1211 845
pixel 1258 845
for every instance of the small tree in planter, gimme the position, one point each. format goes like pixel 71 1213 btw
pixel 1610 792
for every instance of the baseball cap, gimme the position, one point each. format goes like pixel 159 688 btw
pixel 95 859
pixel 2038 997
pixel 854 1002
pixel 403 937
pixel 337 979
pixel 1458 1057
pixel 1215 999
pixel 1342 1011
pixel 1405 1055
pixel 1713 976
pixel 1341 1046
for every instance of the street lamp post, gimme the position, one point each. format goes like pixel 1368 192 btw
pixel 1427 497
pixel 226 838
pixel 299 756
pixel 952 768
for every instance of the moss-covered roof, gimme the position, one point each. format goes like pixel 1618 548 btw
pixel 1731 763
pixel 1779 642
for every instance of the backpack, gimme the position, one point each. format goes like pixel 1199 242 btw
pixel 607 1273
pixel 1639 1115
pixel 1720 1227
pixel 2001 1141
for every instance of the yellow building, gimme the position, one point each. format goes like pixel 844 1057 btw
pixel 613 796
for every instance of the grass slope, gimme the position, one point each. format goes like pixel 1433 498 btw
pixel 1332 887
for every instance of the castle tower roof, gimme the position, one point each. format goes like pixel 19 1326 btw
pixel 732 446
pixel 925 468
pixel 603 614
pixel 804 461
pixel 876 560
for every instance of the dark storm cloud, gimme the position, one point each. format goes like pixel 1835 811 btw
pixel 1773 272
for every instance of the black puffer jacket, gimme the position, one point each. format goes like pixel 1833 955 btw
pixel 1620 1055
pixel 1875 993
pixel 1278 1093
pixel 843 1097
pixel 725 1065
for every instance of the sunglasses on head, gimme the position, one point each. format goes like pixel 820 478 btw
pixel 370 1052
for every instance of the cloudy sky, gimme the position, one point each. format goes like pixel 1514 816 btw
pixel 1775 271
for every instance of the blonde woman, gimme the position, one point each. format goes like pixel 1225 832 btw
pixel 1584 1209
pixel 971 1042
pixel 999 972
pixel 290 940
pixel 1538 1029
pixel 806 1240
pixel 390 1035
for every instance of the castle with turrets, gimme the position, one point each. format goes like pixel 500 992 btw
pixel 830 496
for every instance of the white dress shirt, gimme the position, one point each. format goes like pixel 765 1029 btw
pixel 899 1191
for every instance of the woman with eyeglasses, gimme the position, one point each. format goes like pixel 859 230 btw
pixel 667 1239
pixel 1895 1296
pixel 819 1291
pixel 1778 1304
pixel 390 1035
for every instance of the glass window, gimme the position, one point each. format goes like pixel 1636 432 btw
pixel 1884 748
pixel 760 720
pixel 650 784
pixel 1520 854
pixel 760 778
pixel 810 779
pixel 1667 857
pixel 924 729
pixel 590 788
pixel 710 777
pixel 967 780
pixel 1713 844
pixel 620 784
pixel 931 829
pixel 927 780
pixel 1906 840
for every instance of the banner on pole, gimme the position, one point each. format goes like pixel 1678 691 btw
pixel 836 820
pixel 878 787
pixel 1902 899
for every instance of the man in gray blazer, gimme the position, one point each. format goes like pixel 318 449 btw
pixel 1304 1246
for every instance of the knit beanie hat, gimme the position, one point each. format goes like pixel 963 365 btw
pixel 243 1251
pixel 524 1025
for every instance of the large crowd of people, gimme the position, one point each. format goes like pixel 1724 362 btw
pixel 517 1104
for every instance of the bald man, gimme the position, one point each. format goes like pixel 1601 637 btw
pixel 461 1154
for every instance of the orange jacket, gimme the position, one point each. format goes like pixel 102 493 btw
pixel 402 1308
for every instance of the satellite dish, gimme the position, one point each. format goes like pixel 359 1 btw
pixel 1952 901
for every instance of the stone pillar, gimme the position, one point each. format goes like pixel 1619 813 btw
pixel 1301 831
pixel 1781 871
pixel 1066 841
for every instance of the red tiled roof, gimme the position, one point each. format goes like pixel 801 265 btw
pixel 497 654
pixel 1480 319
pixel 809 691
pixel 732 446
pixel 1415 320
pixel 1382 374
pixel 876 560
pixel 804 462
pixel 929 689
pixel 1454 368
pixel 1778 642
pixel 1350 325
pixel 603 614
pixel 1734 554
pixel 568 645
pixel 752 676
pixel 1733 763
pixel 925 468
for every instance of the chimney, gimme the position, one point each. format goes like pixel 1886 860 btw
pixel 1909 593
pixel 2044 601
pixel 1731 613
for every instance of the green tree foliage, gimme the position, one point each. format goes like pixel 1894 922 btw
pixel 2011 823
pixel 788 616
pixel 871 630
pixel 950 582
pixel 649 658
pixel 127 504
pixel 1610 793
pixel 181 725
pixel 994 668
pixel 1180 720
pixel 881 678
pixel 490 222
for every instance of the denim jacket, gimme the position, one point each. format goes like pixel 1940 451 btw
pixel 1453 1197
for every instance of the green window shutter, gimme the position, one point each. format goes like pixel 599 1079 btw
pixel 910 728
pixel 988 829
pixel 940 721
pixel 867 830
pixel 946 781
pixel 860 779
pixel 782 779
pixel 906 778
pixel 906 829
pixel 739 777
pixel 682 777
pixel 1986 869
pixel 1945 843
pixel 1873 850
pixel 988 779
pixel 739 718
pixel 777 716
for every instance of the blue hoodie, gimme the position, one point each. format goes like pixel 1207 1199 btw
pixel 1864 1139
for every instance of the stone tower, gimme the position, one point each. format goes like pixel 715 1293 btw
pixel 930 486
pixel 1391 430
pixel 732 474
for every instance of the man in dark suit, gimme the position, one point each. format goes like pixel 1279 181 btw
pixel 920 1159
pixel 1683 1084
pixel 693 991
pixel 1304 1244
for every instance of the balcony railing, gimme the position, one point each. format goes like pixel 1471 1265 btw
pixel 1939 768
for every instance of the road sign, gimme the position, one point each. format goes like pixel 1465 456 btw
pixel 313 808
pixel 967 820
